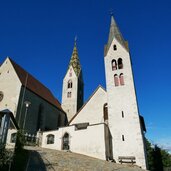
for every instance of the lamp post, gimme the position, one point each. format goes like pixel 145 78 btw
pixel 27 103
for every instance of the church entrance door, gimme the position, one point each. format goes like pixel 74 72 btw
pixel 65 142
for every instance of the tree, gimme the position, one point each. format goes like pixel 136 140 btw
pixel 166 158
pixel 150 156
pixel 157 158
pixel 6 157
pixel 20 140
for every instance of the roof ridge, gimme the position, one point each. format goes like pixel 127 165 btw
pixel 99 86
pixel 13 62
pixel 35 85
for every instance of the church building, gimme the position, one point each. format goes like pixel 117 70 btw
pixel 33 105
pixel 108 126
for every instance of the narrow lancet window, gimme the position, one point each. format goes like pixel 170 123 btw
pixel 114 47
pixel 69 94
pixel 121 79
pixel 123 138
pixel 116 80
pixel 105 112
pixel 114 65
pixel 69 84
pixel 122 114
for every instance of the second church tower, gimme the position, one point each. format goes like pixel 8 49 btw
pixel 73 87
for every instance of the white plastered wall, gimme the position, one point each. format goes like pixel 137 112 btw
pixel 69 105
pixel 10 85
pixel 123 98
pixel 92 111
pixel 88 141
pixel 9 144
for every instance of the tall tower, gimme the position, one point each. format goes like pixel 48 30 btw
pixel 124 119
pixel 73 87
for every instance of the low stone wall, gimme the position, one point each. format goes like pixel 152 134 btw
pixel 89 141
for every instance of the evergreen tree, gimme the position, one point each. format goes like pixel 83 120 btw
pixel 157 158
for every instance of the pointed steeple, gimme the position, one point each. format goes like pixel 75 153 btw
pixel 75 62
pixel 115 33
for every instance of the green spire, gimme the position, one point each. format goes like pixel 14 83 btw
pixel 75 62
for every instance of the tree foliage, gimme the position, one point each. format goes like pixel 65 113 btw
pixel 6 156
pixel 20 140
pixel 157 158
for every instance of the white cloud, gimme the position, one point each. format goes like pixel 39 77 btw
pixel 165 143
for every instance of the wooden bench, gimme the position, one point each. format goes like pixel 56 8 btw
pixel 126 159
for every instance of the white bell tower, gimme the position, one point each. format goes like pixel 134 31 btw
pixel 124 120
pixel 73 87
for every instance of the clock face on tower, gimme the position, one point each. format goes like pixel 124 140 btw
pixel 1 96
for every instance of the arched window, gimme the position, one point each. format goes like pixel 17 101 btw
pixel 121 79
pixel 13 137
pixel 50 139
pixel 69 84
pixel 116 80
pixel 114 65
pixel 122 114
pixel 114 47
pixel 69 94
pixel 123 138
pixel 120 64
pixel 65 142
pixel 105 112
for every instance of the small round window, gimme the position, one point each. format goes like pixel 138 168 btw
pixel 1 95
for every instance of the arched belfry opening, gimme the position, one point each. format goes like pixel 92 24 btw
pixel 120 63
pixel 65 142
pixel 114 65
pixel 70 84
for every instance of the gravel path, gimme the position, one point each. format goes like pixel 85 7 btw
pixel 42 159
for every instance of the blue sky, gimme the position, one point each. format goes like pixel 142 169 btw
pixel 39 36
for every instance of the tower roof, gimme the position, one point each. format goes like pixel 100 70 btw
pixel 115 33
pixel 75 62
